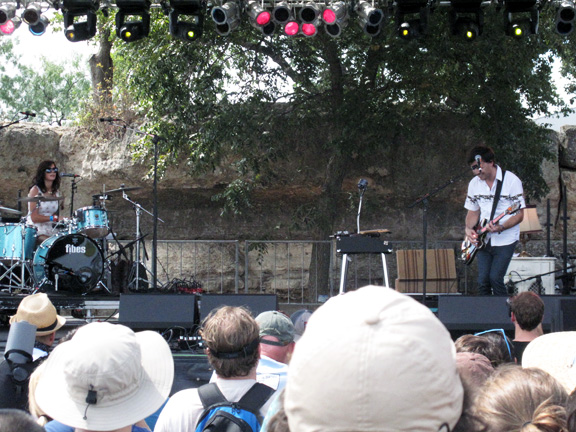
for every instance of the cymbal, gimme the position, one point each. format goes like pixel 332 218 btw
pixel 123 189
pixel 9 210
pixel 40 199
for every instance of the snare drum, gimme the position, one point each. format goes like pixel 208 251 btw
pixel 75 258
pixel 92 221
pixel 11 241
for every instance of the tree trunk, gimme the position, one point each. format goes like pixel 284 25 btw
pixel 101 71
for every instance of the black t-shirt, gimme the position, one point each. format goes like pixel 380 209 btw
pixel 519 348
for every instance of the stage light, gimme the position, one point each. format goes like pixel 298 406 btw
pixel 77 29
pixel 521 17
pixel 39 28
pixel 32 13
pixel 7 12
pixel 369 18
pixel 291 28
pixel 565 15
pixel 281 13
pixel 309 13
pixel 466 18
pixel 186 20
pixel 10 26
pixel 132 19
pixel 335 17
pixel 260 18
pixel 226 17
pixel 310 29
pixel 467 28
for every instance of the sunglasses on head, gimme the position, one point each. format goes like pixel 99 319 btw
pixel 49 170
pixel 501 331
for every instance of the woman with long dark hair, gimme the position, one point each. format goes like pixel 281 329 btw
pixel 44 213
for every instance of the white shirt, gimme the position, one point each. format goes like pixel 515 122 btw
pixel 184 409
pixel 480 197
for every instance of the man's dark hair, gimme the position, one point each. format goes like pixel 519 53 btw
pixel 14 420
pixel 528 308
pixel 486 153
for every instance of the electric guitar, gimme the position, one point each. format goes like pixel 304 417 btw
pixel 470 249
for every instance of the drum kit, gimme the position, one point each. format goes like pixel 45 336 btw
pixel 73 258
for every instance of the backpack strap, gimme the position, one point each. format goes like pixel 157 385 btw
pixel 255 398
pixel 210 395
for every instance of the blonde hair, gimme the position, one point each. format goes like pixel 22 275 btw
pixel 41 417
pixel 228 330
pixel 523 400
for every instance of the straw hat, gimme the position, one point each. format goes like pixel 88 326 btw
pixel 106 377
pixel 38 310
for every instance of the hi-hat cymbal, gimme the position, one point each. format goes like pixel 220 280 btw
pixel 9 210
pixel 123 189
pixel 40 199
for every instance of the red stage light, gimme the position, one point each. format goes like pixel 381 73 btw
pixel 309 29
pixel 291 28
pixel 263 18
pixel 328 16
pixel 8 27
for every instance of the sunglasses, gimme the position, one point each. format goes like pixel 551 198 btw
pixel 49 170
pixel 503 336
pixel 475 167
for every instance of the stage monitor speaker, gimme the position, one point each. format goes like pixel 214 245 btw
pixel 257 303
pixel 158 311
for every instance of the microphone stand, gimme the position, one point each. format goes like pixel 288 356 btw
pixel 74 188
pixel 424 200
pixel 155 140
pixel 26 116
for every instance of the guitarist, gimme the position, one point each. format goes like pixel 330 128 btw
pixel 501 237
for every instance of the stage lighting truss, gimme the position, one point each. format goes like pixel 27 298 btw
pixel 186 19
pixel 565 15
pixel 132 19
pixel 466 19
pixel 80 19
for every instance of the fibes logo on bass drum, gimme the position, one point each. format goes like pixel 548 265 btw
pixel 75 249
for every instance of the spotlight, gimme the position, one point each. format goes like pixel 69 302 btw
pixel 10 26
pixel 521 17
pixel 565 15
pixel 467 28
pixel 226 17
pixel 39 28
pixel 7 12
pixel 32 13
pixel 309 13
pixel 291 28
pixel 132 19
pixel 370 18
pixel 335 17
pixel 310 29
pixel 466 18
pixel 281 13
pixel 186 19
pixel 260 18
pixel 77 29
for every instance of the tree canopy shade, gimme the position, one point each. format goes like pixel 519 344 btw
pixel 242 97
pixel 52 91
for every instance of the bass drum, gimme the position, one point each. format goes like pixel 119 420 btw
pixel 74 258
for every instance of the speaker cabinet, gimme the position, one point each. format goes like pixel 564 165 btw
pixel 158 311
pixel 257 303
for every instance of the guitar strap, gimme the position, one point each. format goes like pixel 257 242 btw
pixel 497 195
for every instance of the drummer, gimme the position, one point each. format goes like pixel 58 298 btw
pixel 44 214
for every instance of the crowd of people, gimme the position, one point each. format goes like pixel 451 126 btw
pixel 369 360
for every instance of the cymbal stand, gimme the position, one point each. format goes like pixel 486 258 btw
pixel 74 187
pixel 11 271
pixel 139 209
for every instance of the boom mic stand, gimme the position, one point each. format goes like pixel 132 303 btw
pixel 424 200
pixel 155 140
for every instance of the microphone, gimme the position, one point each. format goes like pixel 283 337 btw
pixel 478 160
pixel 363 184
pixel 109 119
pixel 70 175
pixel 28 113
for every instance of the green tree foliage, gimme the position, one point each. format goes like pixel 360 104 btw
pixel 54 92
pixel 246 99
